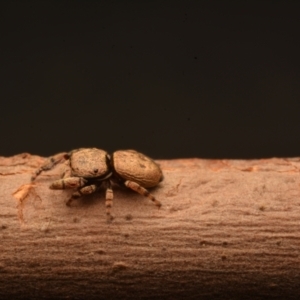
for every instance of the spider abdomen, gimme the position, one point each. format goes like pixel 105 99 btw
pixel 135 166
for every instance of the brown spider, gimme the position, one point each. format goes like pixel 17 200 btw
pixel 88 168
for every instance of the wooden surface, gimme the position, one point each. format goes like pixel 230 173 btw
pixel 227 229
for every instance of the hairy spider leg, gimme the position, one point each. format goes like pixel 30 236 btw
pixel 142 191
pixel 50 164
pixel 68 183
pixel 109 195
pixel 86 190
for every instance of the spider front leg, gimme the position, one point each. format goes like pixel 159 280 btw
pixel 142 191
pixel 86 190
pixel 68 183
pixel 67 172
pixel 50 164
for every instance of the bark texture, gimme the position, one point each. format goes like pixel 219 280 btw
pixel 227 229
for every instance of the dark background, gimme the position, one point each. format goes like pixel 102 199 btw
pixel 214 79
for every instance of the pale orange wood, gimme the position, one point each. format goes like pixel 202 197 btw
pixel 226 229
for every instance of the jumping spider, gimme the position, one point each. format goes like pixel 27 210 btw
pixel 88 168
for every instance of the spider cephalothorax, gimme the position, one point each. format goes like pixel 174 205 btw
pixel 88 168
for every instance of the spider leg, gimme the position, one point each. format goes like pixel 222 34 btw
pixel 86 190
pixel 50 164
pixel 68 183
pixel 109 195
pixel 67 172
pixel 141 190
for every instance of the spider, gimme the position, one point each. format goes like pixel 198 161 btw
pixel 88 168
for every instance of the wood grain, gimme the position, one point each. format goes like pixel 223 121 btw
pixel 227 229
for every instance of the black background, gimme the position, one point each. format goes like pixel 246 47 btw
pixel 214 79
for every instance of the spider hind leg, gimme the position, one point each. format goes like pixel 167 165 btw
pixel 142 191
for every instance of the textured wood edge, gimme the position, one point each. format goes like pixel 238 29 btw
pixel 227 229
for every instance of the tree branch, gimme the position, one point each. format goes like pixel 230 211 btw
pixel 226 229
